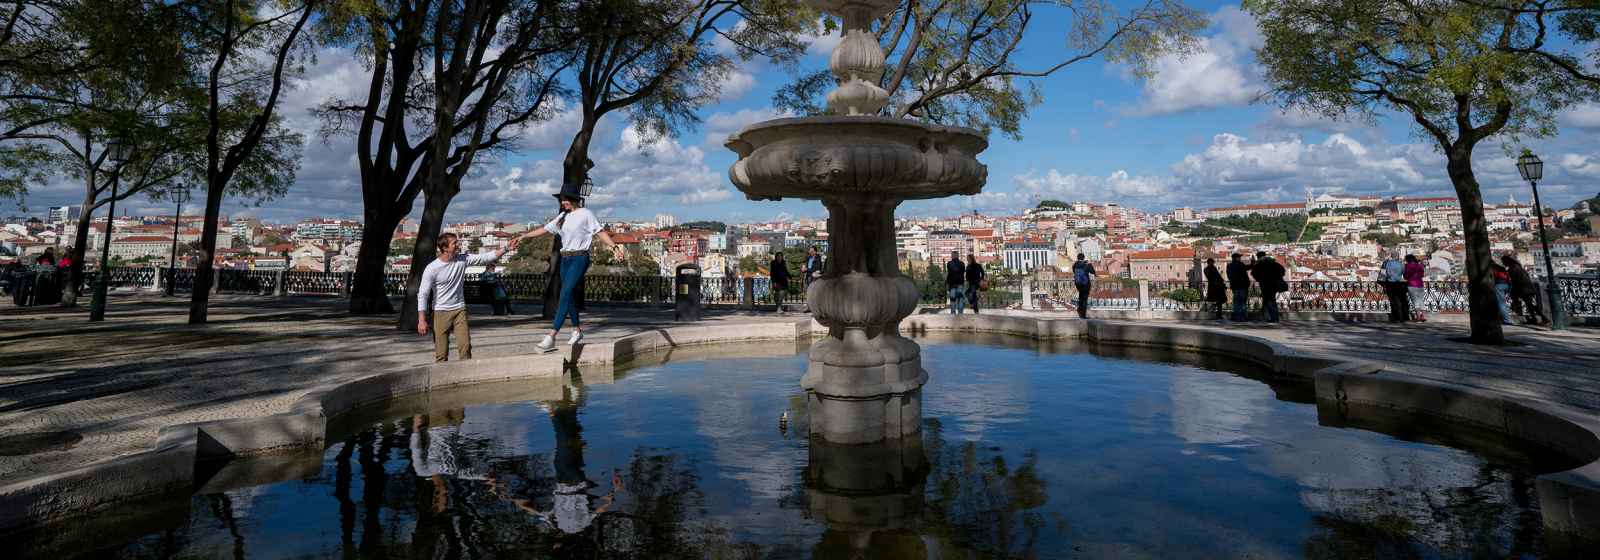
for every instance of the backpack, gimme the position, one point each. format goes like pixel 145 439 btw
pixel 1080 274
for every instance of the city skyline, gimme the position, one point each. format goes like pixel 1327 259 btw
pixel 1192 135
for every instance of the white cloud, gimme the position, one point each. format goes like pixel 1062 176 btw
pixel 721 124
pixel 1580 164
pixel 1119 185
pixel 1584 117
pixel 1218 73
pixel 735 85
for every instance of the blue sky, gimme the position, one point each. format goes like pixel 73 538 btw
pixel 1191 136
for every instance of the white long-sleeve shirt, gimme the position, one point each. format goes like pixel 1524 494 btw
pixel 442 280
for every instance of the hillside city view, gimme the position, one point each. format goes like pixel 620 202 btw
pixel 800 279
pixel 1329 237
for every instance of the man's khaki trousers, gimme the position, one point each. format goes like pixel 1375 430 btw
pixel 446 323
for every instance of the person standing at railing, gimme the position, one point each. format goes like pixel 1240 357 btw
pixel 491 283
pixel 1239 280
pixel 1502 291
pixel 442 283
pixel 1414 272
pixel 976 282
pixel 577 228
pixel 1269 277
pixel 955 276
pixel 811 269
pixel 779 270
pixel 1393 279
pixel 1524 293
pixel 1216 288
pixel 1083 280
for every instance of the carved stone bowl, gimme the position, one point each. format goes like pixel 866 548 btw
pixel 837 157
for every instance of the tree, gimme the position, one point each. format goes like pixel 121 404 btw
pixel 655 60
pixel 143 95
pixel 1464 71
pixel 246 51
pixel 951 61
pixel 451 80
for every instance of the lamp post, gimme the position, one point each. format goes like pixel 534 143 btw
pixel 180 196
pixel 119 153
pixel 1532 170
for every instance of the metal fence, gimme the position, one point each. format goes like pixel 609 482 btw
pixel 1310 296
pixel 1580 293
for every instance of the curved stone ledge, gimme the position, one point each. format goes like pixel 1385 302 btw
pixel 1570 500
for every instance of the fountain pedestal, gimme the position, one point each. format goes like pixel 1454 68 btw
pixel 864 383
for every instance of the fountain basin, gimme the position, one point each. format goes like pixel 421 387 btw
pixel 816 158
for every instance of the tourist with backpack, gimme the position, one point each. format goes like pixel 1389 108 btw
pixel 1269 277
pixel 1083 279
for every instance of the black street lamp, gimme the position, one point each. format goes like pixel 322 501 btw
pixel 119 153
pixel 1532 171
pixel 180 196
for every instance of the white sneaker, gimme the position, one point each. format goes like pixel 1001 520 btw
pixel 577 336
pixel 547 345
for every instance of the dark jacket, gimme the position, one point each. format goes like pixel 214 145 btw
pixel 1269 274
pixel 812 265
pixel 780 272
pixel 1216 289
pixel 955 273
pixel 974 274
pixel 1521 282
pixel 1239 275
pixel 1088 269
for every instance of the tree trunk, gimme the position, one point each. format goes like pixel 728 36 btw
pixel 575 168
pixel 368 291
pixel 1481 297
pixel 204 270
pixel 74 280
pixel 426 251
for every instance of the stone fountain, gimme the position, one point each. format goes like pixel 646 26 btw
pixel 864 382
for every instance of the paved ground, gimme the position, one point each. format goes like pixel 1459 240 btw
pixel 120 381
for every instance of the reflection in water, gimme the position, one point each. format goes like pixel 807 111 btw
pixel 1026 452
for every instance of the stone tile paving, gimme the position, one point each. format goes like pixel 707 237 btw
pixel 119 382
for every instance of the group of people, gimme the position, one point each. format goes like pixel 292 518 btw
pixel 1402 284
pixel 965 281
pixel 810 269
pixel 49 283
pixel 1267 274
pixel 1516 293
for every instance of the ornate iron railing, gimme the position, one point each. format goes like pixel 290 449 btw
pixel 1580 293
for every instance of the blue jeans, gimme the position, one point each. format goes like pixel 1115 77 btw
pixel 1241 301
pixel 1502 294
pixel 1269 303
pixel 572 269
pixel 958 302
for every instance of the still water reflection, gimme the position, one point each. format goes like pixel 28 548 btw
pixel 1027 451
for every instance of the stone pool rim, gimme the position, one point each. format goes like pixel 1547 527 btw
pixel 1569 500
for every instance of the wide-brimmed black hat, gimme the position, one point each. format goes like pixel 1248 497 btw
pixel 571 190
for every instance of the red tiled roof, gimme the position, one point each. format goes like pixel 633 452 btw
pixel 1183 253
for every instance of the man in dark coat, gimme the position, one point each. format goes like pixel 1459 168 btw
pixel 1239 280
pixel 974 281
pixel 1083 280
pixel 1269 277
pixel 1524 293
pixel 1216 288
pixel 955 276
pixel 780 279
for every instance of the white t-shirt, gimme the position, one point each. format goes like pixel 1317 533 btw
pixel 578 232
pixel 443 280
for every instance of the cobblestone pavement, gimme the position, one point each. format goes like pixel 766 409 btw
pixel 119 382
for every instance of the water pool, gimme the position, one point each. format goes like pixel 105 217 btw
pixel 1048 450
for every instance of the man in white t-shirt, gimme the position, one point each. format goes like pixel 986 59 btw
pixel 578 228
pixel 441 282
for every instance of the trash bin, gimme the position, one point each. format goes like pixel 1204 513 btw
pixel 686 292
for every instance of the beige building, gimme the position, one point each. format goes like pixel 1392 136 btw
pixel 1162 264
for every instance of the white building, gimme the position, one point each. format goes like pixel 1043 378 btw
pixel 912 242
pixel 62 214
pixel 664 221
pixel 1027 254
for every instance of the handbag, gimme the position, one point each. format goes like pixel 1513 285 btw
pixel 983 285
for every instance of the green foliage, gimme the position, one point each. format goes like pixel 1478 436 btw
pixel 1053 203
pixel 1356 211
pixel 1089 232
pixel 1186 295
pixel 710 225
pixel 404 247
pixel 952 62
pixel 1274 229
pixel 1578 224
